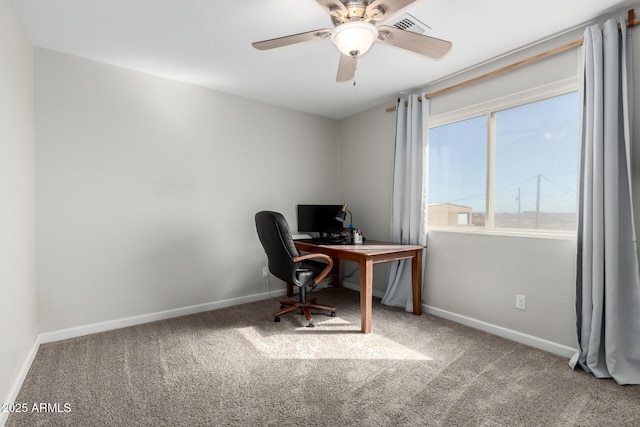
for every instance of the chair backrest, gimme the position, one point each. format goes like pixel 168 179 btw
pixel 275 236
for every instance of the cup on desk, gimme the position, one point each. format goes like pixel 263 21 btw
pixel 356 237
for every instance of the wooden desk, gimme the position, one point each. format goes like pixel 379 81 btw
pixel 366 255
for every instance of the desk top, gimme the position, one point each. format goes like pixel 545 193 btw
pixel 378 251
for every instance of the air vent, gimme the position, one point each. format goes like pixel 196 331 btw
pixel 408 22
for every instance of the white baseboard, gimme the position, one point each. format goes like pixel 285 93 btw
pixel 109 325
pixel 17 384
pixel 533 341
pixel 530 340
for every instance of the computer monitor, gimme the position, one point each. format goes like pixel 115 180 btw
pixel 319 219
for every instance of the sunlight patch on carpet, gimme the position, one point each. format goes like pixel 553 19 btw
pixel 318 344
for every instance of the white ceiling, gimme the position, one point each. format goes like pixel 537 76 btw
pixel 208 43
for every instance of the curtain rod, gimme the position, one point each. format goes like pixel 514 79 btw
pixel 631 21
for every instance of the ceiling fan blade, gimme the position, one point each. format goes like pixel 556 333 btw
pixel 346 68
pixel 418 43
pixel 388 7
pixel 292 39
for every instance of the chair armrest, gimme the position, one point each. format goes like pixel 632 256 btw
pixel 324 272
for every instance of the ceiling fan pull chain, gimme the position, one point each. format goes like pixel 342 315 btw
pixel 355 69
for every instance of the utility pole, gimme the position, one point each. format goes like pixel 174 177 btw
pixel 538 203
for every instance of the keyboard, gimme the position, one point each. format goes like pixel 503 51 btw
pixel 340 241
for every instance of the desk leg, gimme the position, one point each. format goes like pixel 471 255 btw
pixel 336 273
pixel 416 281
pixel 366 294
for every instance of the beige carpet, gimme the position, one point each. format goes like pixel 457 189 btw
pixel 235 366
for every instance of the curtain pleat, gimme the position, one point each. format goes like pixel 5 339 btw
pixel 607 277
pixel 409 205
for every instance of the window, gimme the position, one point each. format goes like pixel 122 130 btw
pixel 514 168
pixel 457 172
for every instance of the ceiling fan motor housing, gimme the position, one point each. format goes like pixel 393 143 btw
pixel 355 11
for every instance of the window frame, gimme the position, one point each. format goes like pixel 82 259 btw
pixel 488 109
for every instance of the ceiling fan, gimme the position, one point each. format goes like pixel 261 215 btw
pixel 354 33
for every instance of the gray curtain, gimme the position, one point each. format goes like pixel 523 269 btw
pixel 607 281
pixel 408 211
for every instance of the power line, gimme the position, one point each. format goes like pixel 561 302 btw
pixel 560 186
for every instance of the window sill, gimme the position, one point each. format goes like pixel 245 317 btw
pixel 508 232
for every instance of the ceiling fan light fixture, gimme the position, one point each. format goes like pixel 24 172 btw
pixel 354 38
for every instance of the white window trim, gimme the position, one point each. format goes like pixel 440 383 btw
pixel 488 109
pixel 517 99
pixel 513 232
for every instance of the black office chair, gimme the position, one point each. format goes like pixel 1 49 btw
pixel 288 265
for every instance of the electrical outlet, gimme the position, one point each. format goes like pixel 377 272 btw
pixel 521 302
pixel 265 271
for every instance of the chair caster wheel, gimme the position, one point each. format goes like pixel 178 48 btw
pixel 333 314
pixel 311 325
pixel 276 319
pixel 282 306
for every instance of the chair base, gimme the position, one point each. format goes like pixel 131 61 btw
pixel 289 306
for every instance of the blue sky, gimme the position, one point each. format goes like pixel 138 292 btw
pixel 534 139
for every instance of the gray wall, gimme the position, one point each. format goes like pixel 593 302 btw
pixel 366 171
pixel 146 189
pixel 18 330
pixel 476 276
